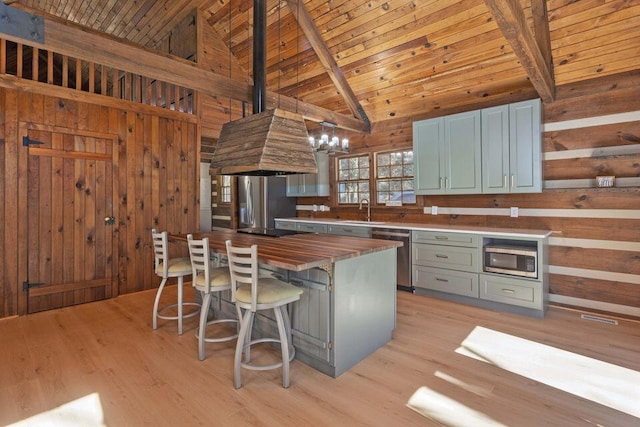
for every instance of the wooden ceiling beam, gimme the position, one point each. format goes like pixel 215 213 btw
pixel 511 20
pixel 72 40
pixel 300 12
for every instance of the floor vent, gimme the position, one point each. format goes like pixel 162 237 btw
pixel 599 319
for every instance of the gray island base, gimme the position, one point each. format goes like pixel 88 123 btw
pixel 348 307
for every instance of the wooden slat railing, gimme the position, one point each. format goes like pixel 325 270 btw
pixel 45 66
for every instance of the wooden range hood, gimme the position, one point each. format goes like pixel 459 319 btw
pixel 269 142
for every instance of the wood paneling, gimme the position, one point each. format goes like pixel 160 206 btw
pixel 560 210
pixel 156 185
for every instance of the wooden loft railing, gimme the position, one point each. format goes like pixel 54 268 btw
pixel 46 66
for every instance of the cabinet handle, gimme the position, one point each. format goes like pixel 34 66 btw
pixel 446 183
pixel 513 181
pixel 442 256
pixel 440 183
pixel 441 280
pixel 505 182
pixel 442 238
pixel 508 291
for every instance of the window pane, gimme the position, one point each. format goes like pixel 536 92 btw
pixel 364 162
pixel 394 177
pixel 364 173
pixel 396 171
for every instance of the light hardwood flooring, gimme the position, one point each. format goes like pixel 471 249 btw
pixel 147 377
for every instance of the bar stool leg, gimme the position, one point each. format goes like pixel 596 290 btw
pixel 284 345
pixel 240 346
pixel 180 305
pixel 157 303
pixel 204 311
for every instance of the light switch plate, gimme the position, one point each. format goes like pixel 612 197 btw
pixel 514 212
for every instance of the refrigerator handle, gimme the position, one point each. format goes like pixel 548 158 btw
pixel 250 212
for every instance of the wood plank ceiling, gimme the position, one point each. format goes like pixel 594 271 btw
pixel 402 59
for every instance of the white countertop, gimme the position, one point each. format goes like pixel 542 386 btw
pixel 487 231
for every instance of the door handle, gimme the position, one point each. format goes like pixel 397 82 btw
pixel 109 220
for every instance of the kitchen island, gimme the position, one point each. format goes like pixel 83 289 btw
pixel 348 307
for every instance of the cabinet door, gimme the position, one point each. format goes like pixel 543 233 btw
pixel 294 184
pixel 311 184
pixel 495 150
pixel 525 146
pixel 462 153
pixel 428 151
pixel 322 178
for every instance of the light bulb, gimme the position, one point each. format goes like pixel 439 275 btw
pixel 312 141
pixel 334 141
pixel 345 144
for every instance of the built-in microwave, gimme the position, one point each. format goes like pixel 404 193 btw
pixel 513 260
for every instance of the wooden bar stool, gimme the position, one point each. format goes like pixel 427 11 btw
pixel 252 293
pixel 208 281
pixel 165 268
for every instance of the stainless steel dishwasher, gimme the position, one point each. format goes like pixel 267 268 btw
pixel 404 254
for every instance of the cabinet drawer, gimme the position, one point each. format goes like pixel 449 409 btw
pixel 311 228
pixel 445 238
pixel 346 230
pixel 455 258
pixel 285 225
pixel 453 282
pixel 511 291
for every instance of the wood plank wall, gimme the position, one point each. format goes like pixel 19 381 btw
pixel 595 246
pixel 157 181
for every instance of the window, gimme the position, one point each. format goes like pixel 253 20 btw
pixel 353 179
pixel 225 189
pixel 394 179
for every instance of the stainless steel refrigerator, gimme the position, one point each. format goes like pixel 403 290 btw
pixel 262 199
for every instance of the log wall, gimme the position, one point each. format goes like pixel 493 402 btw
pixel 156 181
pixel 595 247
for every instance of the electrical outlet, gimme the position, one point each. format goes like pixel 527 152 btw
pixel 514 212
pixel 434 210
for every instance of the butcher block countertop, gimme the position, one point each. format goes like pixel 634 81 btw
pixel 296 252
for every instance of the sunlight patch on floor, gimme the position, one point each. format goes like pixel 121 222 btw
pixel 83 412
pixel 447 411
pixel 601 382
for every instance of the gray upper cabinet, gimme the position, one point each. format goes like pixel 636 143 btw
pixel 494 150
pixel 311 184
pixel 447 154
pixel 511 148
pixel 525 146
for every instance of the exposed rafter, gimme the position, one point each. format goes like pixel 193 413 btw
pixel 511 20
pixel 541 30
pixel 69 39
pixel 326 59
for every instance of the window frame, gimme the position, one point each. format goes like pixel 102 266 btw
pixel 376 178
pixel 339 181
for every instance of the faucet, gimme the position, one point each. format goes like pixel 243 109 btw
pixel 368 208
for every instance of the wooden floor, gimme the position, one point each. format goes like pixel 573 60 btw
pixel 147 377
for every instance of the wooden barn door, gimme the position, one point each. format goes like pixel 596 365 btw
pixel 70 215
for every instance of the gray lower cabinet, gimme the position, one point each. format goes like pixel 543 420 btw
pixel 449 281
pixel 450 266
pixel 311 227
pixel 445 262
pixel 513 291
pixel 348 230
pixel 303 227
pixel 285 225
